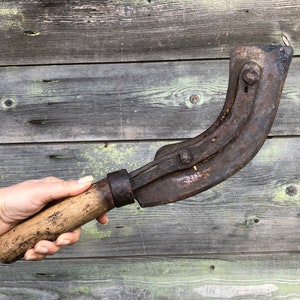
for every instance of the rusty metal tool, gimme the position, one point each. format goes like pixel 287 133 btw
pixel 256 79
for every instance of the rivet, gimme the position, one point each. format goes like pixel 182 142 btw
pixel 250 76
pixel 185 156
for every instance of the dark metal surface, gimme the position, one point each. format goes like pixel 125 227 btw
pixel 257 76
pixel 120 187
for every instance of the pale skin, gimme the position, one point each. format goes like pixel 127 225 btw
pixel 20 201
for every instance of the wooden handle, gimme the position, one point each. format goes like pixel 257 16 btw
pixel 62 217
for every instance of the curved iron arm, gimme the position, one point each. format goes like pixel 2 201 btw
pixel 256 79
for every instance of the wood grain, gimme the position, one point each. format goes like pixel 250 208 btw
pixel 257 210
pixel 224 277
pixel 89 87
pixel 123 101
pixel 60 32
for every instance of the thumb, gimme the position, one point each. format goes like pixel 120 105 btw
pixel 22 200
pixel 52 188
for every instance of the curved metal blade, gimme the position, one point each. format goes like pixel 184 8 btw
pixel 257 76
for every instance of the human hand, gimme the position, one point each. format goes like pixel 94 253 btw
pixel 20 201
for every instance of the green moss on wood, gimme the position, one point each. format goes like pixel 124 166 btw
pixel 288 194
pixel 256 277
pixel 10 16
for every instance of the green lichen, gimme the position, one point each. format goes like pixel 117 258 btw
pixel 90 230
pixel 3 176
pixel 178 92
pixel 10 17
pixel 102 159
pixel 9 11
pixel 35 88
pixel 41 88
pixel 288 194
pixel 271 150
pixel 249 222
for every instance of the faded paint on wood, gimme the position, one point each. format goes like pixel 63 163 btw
pixel 227 277
pixel 123 101
pixel 48 32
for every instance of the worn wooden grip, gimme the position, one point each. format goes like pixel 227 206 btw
pixel 55 220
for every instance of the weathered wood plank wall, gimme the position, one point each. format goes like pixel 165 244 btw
pixel 108 31
pixel 123 102
pixel 89 87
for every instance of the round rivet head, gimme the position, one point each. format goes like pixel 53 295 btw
pixel 185 156
pixel 250 76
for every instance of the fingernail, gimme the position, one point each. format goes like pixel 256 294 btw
pixel 63 242
pixel 30 257
pixel 41 250
pixel 85 180
pixel 106 221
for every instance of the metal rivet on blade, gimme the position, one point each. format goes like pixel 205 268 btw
pixel 185 156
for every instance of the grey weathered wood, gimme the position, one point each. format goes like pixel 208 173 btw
pixel 123 101
pixel 257 210
pixel 210 277
pixel 47 32
pixel 53 117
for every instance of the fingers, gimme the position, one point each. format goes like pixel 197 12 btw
pixel 68 238
pixel 103 219
pixel 41 250
pixel 22 200
pixel 44 248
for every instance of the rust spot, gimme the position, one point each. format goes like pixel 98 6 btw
pixel 271 76
pixel 196 176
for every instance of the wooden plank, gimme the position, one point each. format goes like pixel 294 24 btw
pixel 257 210
pixel 226 277
pixel 48 32
pixel 123 101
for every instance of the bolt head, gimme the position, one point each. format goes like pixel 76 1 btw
pixel 250 76
pixel 185 156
